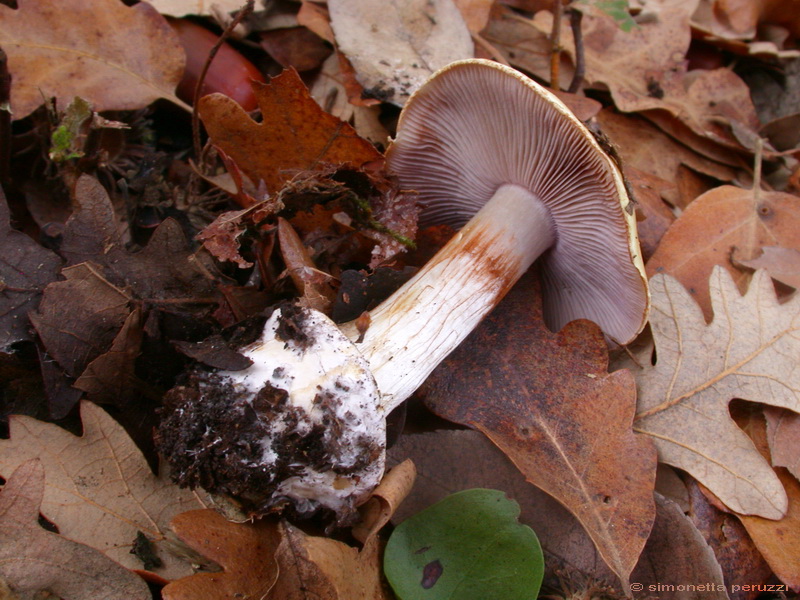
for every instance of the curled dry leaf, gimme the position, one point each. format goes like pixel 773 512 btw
pixel 721 221
pixel 746 352
pixel 33 560
pixel 115 56
pixel 296 134
pixel 99 489
pixel 574 439
pixel 416 38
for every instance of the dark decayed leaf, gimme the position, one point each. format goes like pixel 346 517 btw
pixel 25 269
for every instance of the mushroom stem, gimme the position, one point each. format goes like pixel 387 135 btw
pixel 424 321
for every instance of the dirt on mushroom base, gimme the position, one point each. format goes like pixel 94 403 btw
pixel 260 448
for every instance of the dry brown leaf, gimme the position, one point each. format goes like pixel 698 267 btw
pixel 778 541
pixel 415 38
pixel 296 133
pixel 644 146
pixel 324 568
pixel 783 264
pixel 33 560
pixel 717 223
pixel 502 381
pixel 451 461
pixel 245 551
pixel 738 19
pixel 386 498
pixel 648 190
pixel 727 537
pixel 99 489
pixel 181 8
pixel 746 352
pixel 116 57
pixel 783 434
pixel 475 13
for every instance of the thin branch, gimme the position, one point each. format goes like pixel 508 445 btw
pixel 243 12
pixel 575 19
pixel 555 45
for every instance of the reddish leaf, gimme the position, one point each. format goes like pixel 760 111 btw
pixel 245 551
pixel 547 401
pixel 296 133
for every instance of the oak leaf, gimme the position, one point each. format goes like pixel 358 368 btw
pixel 537 395
pixel 748 352
pixel 99 489
pixel 181 8
pixel 116 57
pixel 724 222
pixel 244 550
pixel 33 560
pixel 296 134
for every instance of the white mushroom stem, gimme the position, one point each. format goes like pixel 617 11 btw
pixel 420 324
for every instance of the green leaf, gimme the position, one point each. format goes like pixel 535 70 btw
pixel 617 10
pixel 468 546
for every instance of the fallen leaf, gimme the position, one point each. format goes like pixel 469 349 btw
pixel 181 8
pixel 25 269
pixel 115 56
pixel 727 537
pixel 99 490
pixel 79 317
pixel 245 551
pixel 683 399
pixel 778 541
pixel 475 13
pixel 644 146
pixel 110 377
pixel 296 134
pixel 416 38
pixel 317 567
pixel 296 47
pixel 33 560
pixel 501 381
pixel 648 191
pixel 166 269
pixel 470 545
pixel 783 264
pixel 738 19
pixel 717 223
pixel 449 461
pixel 783 434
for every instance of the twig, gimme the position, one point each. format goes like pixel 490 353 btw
pixel 555 44
pixel 243 12
pixel 575 19
pixel 5 119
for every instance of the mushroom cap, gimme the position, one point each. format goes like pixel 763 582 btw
pixel 476 125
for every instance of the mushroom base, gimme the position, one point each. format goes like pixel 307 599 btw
pixel 298 429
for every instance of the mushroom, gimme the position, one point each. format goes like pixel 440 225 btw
pixel 489 151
